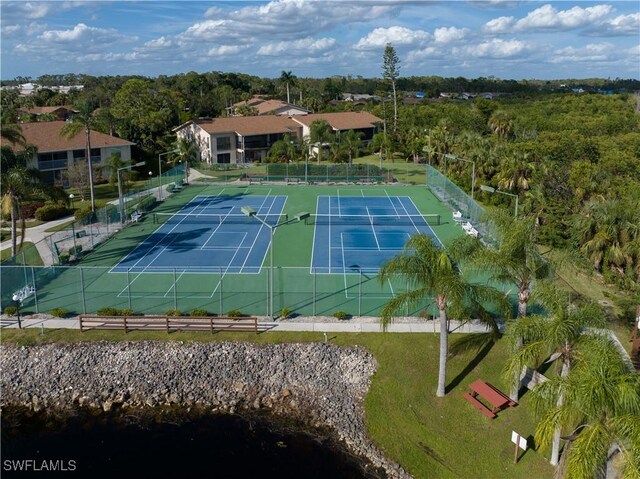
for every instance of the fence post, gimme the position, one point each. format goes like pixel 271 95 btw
pixel 175 290
pixel 314 293
pixel 166 321
pixel 35 288
pixel 124 323
pixel 128 289
pixel 84 304
pixel 360 293
pixel 221 308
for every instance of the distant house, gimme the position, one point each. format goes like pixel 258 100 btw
pixel 55 151
pixel 62 113
pixel 268 107
pixel 245 139
pixel 27 89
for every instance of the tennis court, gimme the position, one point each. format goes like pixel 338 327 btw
pixel 209 234
pixel 354 234
pixel 196 250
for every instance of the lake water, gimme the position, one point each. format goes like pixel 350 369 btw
pixel 209 446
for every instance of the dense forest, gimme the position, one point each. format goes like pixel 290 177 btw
pixel 572 158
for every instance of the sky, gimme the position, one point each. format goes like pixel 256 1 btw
pixel 504 39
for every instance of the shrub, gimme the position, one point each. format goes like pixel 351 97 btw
pixel 83 211
pixel 341 315
pixel 146 203
pixel 285 313
pixel 234 313
pixel 108 311
pixel 75 250
pixel 59 312
pixel 51 211
pixel 29 210
pixel 64 258
pixel 199 312
pixel 173 312
pixel 10 310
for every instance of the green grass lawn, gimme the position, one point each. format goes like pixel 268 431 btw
pixel 431 437
pixel 32 257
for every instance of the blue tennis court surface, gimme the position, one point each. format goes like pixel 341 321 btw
pixel 355 234
pixel 209 234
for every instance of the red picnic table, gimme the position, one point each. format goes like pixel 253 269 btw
pixel 497 399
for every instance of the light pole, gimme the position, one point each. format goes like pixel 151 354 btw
pixel 249 211
pixel 71 197
pixel 18 300
pixel 175 150
pixel 491 189
pixel 120 199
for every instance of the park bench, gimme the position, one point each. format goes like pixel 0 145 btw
pixel 135 216
pixel 292 180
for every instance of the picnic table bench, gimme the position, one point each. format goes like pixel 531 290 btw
pixel 497 399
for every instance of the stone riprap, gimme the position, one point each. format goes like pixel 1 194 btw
pixel 319 384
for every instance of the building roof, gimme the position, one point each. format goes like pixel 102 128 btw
pixel 43 110
pixel 46 137
pixel 265 107
pixel 248 125
pixel 349 120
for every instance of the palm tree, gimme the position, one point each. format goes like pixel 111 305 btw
pixel 17 183
pixel 516 171
pixel 288 78
pixel 514 259
pixel 282 151
pixel 600 409
pixel 13 134
pixel 188 152
pixel 320 132
pixel 432 272
pixel 558 336
pixel 501 124
pixel 352 142
pixel 608 234
pixel 83 120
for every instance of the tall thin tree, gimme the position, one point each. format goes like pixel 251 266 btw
pixel 83 120
pixel 391 71
pixel 287 78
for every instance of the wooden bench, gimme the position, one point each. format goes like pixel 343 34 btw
pixel 479 406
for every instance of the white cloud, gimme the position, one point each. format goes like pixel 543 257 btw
pixel 620 25
pixel 547 18
pixel 450 35
pixel 82 33
pixel 494 48
pixel 159 43
pixel 32 10
pixel 379 37
pixel 304 46
pixel 284 19
pixel 593 52
pixel 223 50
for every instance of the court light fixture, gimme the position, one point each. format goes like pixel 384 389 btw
pixel 249 211
pixel 491 189
pixel 120 199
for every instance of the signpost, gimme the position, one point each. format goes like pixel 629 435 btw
pixel 520 442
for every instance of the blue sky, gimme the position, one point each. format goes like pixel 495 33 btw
pixel 505 39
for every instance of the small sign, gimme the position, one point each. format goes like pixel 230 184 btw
pixel 519 440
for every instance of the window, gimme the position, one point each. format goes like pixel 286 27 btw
pixel 224 158
pixel 223 143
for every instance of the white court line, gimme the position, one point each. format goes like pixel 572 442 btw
pixel 392 203
pixel 260 230
pixel 174 284
pixel 216 230
pixel 373 228
pixel 344 261
pixel 315 231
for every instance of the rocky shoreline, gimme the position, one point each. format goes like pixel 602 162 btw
pixel 318 385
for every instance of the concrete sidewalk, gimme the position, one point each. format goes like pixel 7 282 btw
pixel 320 325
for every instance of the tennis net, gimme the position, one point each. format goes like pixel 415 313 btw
pixel 375 220
pixel 214 219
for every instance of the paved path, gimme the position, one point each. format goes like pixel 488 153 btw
pixel 36 234
pixel 321 325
